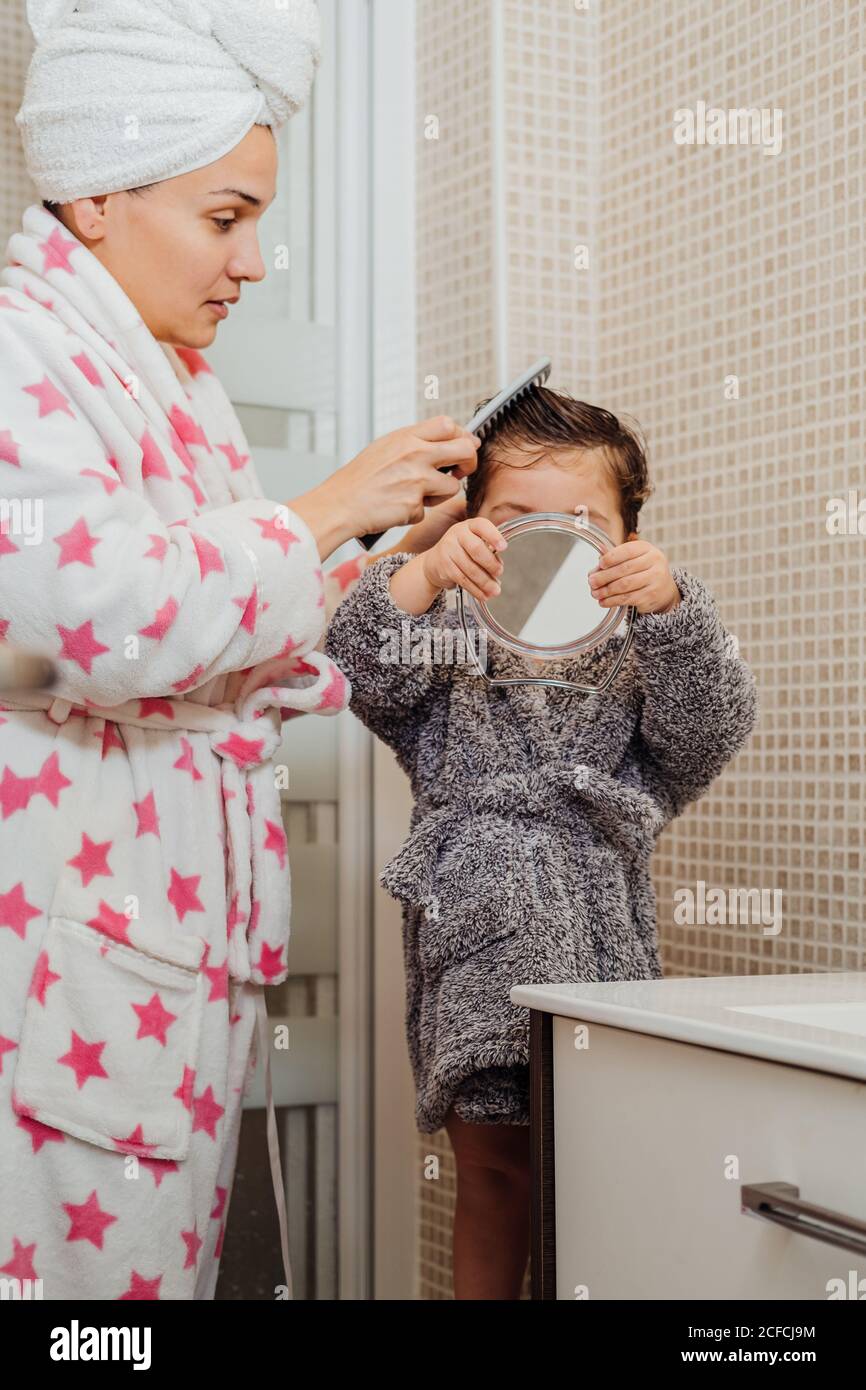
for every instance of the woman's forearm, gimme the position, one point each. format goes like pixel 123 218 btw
pixel 325 512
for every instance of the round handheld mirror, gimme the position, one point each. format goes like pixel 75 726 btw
pixel 546 609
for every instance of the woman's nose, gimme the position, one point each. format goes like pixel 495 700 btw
pixel 247 263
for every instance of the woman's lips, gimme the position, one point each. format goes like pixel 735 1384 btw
pixel 221 310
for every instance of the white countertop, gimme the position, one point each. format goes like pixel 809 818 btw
pixel 816 1021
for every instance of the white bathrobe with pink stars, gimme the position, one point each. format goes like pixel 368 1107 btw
pixel 144 888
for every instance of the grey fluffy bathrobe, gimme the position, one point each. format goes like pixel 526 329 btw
pixel 535 815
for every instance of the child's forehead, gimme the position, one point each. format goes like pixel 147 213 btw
pixel 527 468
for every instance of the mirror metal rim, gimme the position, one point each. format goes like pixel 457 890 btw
pixel 550 521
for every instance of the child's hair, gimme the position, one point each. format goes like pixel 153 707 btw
pixel 556 421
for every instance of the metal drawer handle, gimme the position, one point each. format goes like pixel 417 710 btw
pixel 780 1202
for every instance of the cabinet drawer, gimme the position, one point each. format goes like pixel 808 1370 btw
pixel 653 1140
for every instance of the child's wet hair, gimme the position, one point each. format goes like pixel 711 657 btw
pixel 555 421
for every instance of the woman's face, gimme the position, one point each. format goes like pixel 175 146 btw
pixel 186 240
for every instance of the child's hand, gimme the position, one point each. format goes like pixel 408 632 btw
pixel 437 520
pixel 635 573
pixel 465 556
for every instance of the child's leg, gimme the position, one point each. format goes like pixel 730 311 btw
pixel 491 1222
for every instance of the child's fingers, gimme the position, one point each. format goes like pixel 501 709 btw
pixel 472 577
pixel 483 527
pixel 479 551
pixel 601 577
pixel 621 589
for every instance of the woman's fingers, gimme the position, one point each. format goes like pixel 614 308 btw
pixel 439 427
pixel 462 453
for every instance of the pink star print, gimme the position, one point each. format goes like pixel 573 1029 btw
pixel 276 840
pixel 335 692
pixel 249 605
pixel 234 917
pixel 235 459
pixel 113 924
pixel 49 398
pixel 50 781
pixel 209 557
pixel 80 645
pixel 183 895
pixel 269 962
pixel 185 762
pixel 39 1133
pixel 88 1219
pixel 134 1144
pixel 165 616
pixel 219 981
pixel 184 1090
pixel 155 704
pixel 194 1243
pixel 15 792
pixel 158 549
pixel 43 978
pixel 198 496
pixel 111 738
pixel 8 448
pixel 109 484
pixel 16 911
pixel 56 252
pixel 273 531
pixel 242 751
pixel 194 361
pixel 153 464
pixel 21 1264
pixel 92 859
pixel 140 1288
pixel 219 1204
pixel 348 571
pixel 189 681
pixel 148 821
pixel 6 1045
pixel 77 544
pixel 206 1112
pixel 154 1019
pixel 83 1058
pixel 84 364
pixel 186 428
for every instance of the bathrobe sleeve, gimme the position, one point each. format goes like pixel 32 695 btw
pixel 699 698
pixel 382 650
pixel 127 604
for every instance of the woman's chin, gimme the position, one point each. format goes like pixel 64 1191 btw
pixel 193 335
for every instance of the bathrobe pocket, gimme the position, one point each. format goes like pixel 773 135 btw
pixel 464 879
pixel 110 1041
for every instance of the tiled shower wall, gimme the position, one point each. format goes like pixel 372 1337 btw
pixel 720 303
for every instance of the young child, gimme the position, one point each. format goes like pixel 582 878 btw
pixel 536 809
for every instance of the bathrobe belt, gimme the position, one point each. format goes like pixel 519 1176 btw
pixel 245 747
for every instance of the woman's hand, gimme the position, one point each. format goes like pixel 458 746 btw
pixel 388 483
pixel 635 573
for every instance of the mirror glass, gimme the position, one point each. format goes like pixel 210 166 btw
pixel 546 604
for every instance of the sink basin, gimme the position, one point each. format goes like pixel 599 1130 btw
pixel 839 1018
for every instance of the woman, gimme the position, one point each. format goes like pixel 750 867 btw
pixel 144 891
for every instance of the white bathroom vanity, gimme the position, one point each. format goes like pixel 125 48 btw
pixel 699 1138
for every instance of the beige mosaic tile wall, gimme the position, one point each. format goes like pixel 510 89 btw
pixel 722 307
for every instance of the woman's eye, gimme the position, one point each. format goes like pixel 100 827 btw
pixel 224 223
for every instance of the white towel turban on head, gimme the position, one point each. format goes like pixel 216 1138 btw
pixel 122 93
